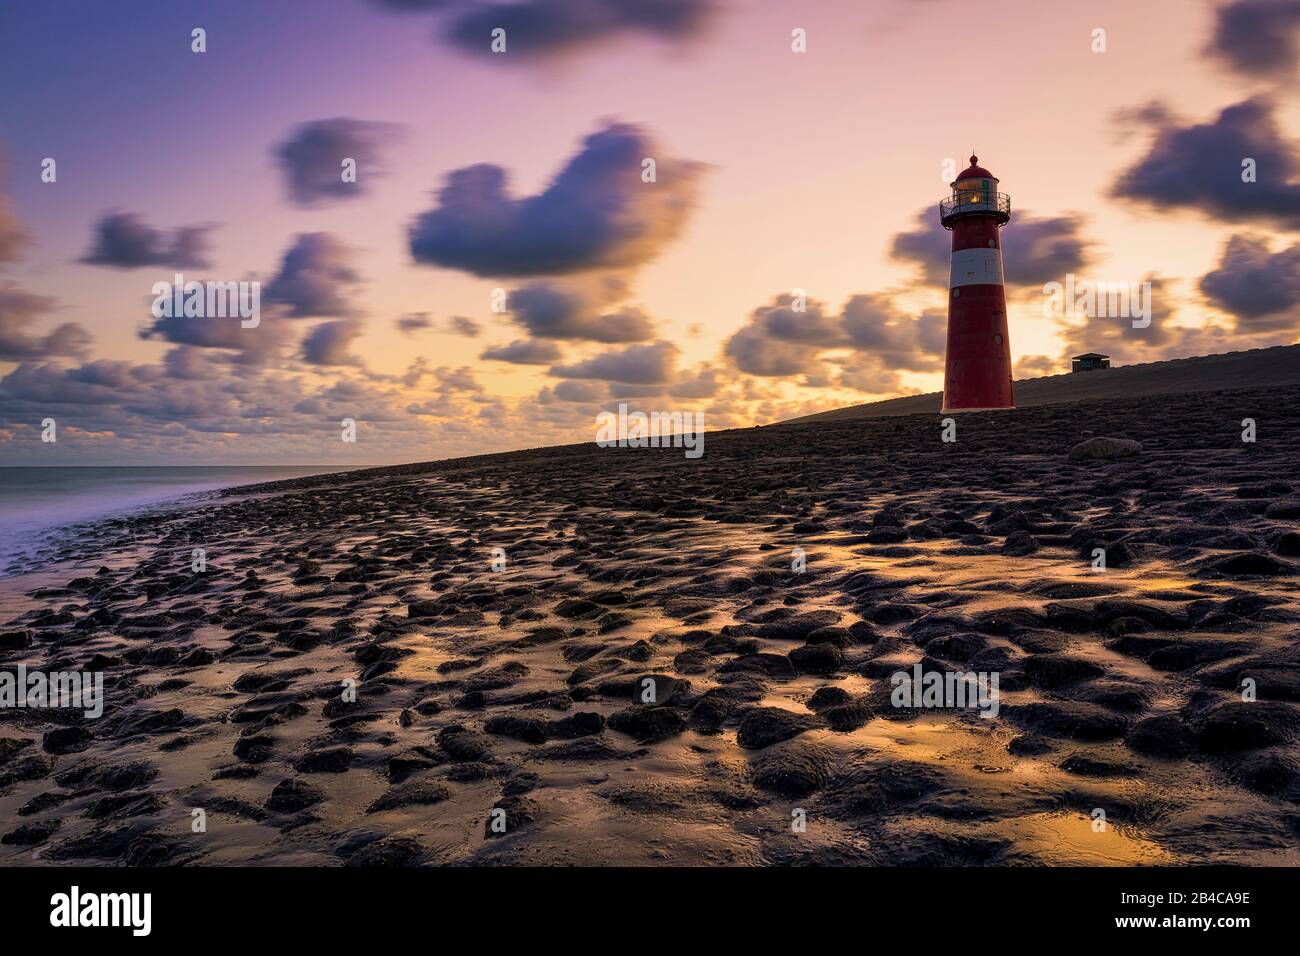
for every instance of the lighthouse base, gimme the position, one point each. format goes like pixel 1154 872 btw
pixel 991 408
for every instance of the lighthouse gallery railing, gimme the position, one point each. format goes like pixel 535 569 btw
pixel 975 203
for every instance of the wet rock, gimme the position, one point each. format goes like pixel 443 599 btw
pixel 471 772
pixel 648 724
pixel 1269 772
pixel 764 726
pixel 580 724
pixel 817 659
pixel 838 636
pixel 401 766
pixel 23 768
pixel 1193 651
pixel 576 608
pixel 774 665
pixel 66 740
pixel 325 760
pixel 1153 614
pixel 1239 725
pixel 91 776
pixel 797 627
pixel 529 729
pixel 711 712
pixel 1028 745
pixel 254 748
pixel 1084 765
pixel 145 722
pixel 1104 448
pixel 888 614
pixel 120 805
pixel 1068 719
pixel 45 801
pixel 592 669
pixel 1059 670
pixel 830 696
pixel 1019 544
pixel 1114 695
pixel 464 745
pixel 1251 564
pixel 518 812
pixel 693 661
pixel 498 678
pixel 424 793
pixel 959 648
pixel 390 852
pixel 648 689
pixel 583 750
pixel 1288 508
pixel 9 746
pixel 31 834
pixel 793 769
pixel 293 796
pixel 870 789
pixel 15 640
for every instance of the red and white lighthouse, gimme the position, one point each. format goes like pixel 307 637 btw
pixel 977 372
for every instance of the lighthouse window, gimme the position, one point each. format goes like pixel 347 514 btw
pixel 997 339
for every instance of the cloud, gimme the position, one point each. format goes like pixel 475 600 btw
pixel 124 241
pixel 255 346
pixel 597 213
pixel 452 380
pixel 414 322
pixel 703 382
pixel 312 157
pixel 873 326
pixel 19 310
pixel 1037 366
pixel 547 311
pixel 588 391
pixel 1199 167
pixel 328 343
pixel 652 364
pixel 1035 249
pixel 462 325
pixel 780 342
pixel 315 277
pixel 1163 339
pixel 1261 288
pixel 187 362
pixel 537 29
pixel 1258 38
pixel 524 352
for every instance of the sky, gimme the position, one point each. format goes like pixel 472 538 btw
pixel 505 265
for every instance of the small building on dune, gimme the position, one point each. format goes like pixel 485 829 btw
pixel 1089 361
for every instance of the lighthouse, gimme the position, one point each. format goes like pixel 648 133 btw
pixel 977 372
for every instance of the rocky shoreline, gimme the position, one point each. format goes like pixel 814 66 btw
pixel 622 656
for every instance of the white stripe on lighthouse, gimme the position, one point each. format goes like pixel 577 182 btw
pixel 976 267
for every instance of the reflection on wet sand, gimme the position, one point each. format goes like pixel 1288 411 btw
pixel 688 662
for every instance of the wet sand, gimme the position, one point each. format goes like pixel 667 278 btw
pixel 490 691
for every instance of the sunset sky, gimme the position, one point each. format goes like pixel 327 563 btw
pixel 775 170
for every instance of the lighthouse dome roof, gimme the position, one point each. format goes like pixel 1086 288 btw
pixel 975 171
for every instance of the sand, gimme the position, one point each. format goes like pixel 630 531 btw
pixel 768 590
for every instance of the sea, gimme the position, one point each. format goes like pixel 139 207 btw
pixel 37 504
